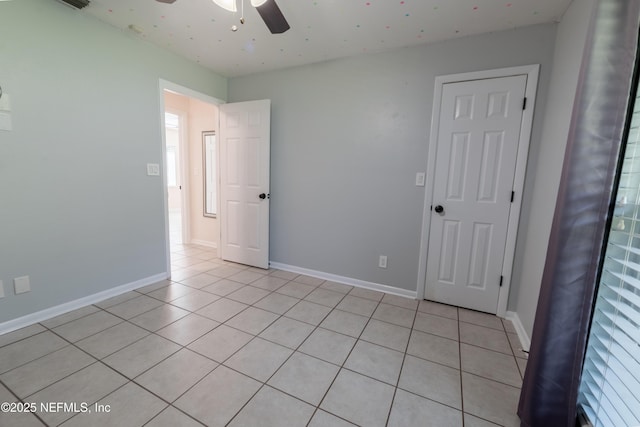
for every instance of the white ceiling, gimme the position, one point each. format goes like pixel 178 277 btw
pixel 320 30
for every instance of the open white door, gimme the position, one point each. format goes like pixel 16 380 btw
pixel 244 182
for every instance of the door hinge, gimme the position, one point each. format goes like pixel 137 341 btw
pixel 513 194
pixel 501 279
pixel 524 103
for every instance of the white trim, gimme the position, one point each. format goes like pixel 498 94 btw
pixel 183 90
pixel 184 164
pixel 525 340
pixel 345 280
pixel 48 313
pixel 532 72
pixel 205 243
pixel 165 187
pixel 518 186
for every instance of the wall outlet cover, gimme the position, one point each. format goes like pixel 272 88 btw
pixel 382 261
pixel 21 285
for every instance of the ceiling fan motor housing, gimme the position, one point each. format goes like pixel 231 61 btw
pixel 76 4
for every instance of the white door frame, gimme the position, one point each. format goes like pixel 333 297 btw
pixel 183 155
pixel 532 72
pixel 182 90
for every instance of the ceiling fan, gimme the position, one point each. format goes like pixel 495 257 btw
pixel 268 10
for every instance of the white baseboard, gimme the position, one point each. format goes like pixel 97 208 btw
pixel 525 340
pixel 204 243
pixel 345 280
pixel 48 313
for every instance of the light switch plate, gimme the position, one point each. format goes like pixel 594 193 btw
pixel 21 285
pixel 420 179
pixel 1 289
pixel 5 121
pixel 5 102
pixel 153 169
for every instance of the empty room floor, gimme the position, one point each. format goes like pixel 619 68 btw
pixel 225 344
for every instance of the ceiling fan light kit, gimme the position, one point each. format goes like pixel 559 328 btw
pixel 267 9
pixel 229 5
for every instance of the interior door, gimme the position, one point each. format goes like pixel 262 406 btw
pixel 477 147
pixel 244 182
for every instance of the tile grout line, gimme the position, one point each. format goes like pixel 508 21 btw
pixel 21 401
pixel 280 316
pixel 357 339
pixel 460 366
pixel 252 339
pixel 177 409
pixel 100 360
pixel 341 367
pixel 318 326
pixel 404 358
pixel 170 404
pixel 283 315
pixel 264 384
pixel 96 360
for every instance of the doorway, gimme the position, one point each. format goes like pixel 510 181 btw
pixel 174 152
pixel 186 115
pixel 242 159
pixel 480 134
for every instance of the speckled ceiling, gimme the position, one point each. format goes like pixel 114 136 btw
pixel 320 29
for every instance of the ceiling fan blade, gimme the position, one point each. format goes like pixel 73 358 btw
pixel 273 17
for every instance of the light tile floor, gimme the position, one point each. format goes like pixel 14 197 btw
pixel 224 344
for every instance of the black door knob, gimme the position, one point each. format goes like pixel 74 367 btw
pixel 262 196
pixel 438 209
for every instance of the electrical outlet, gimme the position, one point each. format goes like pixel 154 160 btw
pixel 1 289
pixel 21 285
pixel 382 261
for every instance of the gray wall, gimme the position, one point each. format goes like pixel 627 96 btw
pixel 77 212
pixel 348 137
pixel 569 47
